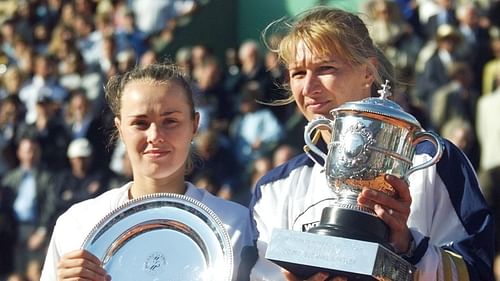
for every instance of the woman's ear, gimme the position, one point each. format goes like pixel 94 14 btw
pixel 118 127
pixel 196 122
pixel 371 67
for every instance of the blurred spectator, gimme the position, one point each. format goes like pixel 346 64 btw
pixel 461 133
pixel 24 56
pixel 107 61
pixel 294 130
pixel 456 99
pixel 31 186
pixel 445 15
pixel 395 37
pixel 68 14
pixel 492 68
pixel 488 134
pixel 12 81
pixel 153 15
pixel 249 68
pixel 88 39
pixel 74 75
pixel 436 68
pixel 18 277
pixel 232 63
pixel 123 175
pixel 43 84
pixel 7 9
pixel 492 14
pixel 79 182
pixel 50 132
pixel 211 98
pixel 62 41
pixel 8 35
pixel 261 166
pixel 83 123
pixel 50 13
pixel 34 269
pixel 41 38
pixel 475 47
pixel 252 68
pixel 282 154
pixel 199 53
pixel 488 127
pixel 85 8
pixel 183 60
pixel 10 120
pixel 126 60
pixel 255 131
pixel 148 57
pixel 24 19
pixel 217 164
pixel 128 36
pixel 8 231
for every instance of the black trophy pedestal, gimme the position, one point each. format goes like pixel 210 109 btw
pixel 346 243
pixel 352 224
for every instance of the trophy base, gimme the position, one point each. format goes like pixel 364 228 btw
pixel 305 254
pixel 347 223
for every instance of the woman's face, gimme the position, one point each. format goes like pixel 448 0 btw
pixel 157 127
pixel 322 83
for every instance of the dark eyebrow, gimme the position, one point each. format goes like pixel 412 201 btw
pixel 170 112
pixel 166 113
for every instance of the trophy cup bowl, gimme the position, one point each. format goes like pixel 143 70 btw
pixel 369 139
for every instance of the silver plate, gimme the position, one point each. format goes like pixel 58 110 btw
pixel 162 236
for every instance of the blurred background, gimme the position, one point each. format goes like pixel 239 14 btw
pixel 55 128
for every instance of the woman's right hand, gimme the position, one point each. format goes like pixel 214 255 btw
pixel 81 265
pixel 320 276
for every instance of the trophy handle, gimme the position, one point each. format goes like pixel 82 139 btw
pixel 314 124
pixel 438 143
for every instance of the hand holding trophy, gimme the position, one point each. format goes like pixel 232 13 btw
pixel 370 139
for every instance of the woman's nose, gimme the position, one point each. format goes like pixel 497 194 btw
pixel 311 85
pixel 154 135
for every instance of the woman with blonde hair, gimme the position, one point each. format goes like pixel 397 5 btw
pixel 438 220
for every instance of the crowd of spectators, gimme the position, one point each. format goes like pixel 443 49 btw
pixel 55 129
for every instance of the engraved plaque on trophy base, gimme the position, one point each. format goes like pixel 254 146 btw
pixel 304 254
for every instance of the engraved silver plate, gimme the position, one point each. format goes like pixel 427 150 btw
pixel 162 236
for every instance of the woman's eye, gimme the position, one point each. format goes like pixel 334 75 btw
pixel 297 73
pixel 140 124
pixel 170 122
pixel 326 69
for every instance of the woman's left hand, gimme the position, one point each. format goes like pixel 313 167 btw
pixel 393 210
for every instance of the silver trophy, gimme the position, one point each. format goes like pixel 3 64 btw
pixel 369 139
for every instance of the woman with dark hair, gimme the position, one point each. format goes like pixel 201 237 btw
pixel 156 120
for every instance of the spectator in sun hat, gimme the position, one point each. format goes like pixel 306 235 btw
pixel 79 148
pixel 78 182
pixel 436 68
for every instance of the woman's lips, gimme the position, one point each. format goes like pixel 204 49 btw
pixel 316 106
pixel 155 153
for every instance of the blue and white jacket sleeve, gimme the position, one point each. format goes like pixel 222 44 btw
pixel 450 220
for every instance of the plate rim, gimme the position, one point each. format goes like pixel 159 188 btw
pixel 164 196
